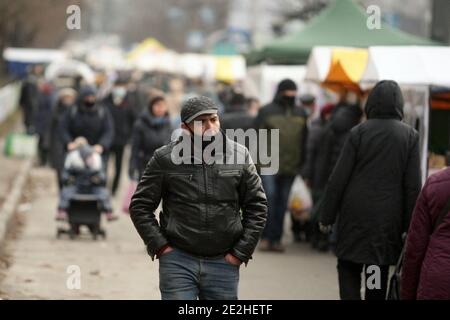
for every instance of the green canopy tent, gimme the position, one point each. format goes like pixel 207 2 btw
pixel 343 24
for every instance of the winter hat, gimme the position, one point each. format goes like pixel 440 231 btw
pixel 197 106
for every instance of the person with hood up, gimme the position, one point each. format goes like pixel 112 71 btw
pixel 152 130
pixel 291 121
pixel 372 192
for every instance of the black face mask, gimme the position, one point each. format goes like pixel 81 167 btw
pixel 89 104
pixel 288 100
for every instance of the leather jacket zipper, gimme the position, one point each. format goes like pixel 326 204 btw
pixel 206 195
pixel 182 174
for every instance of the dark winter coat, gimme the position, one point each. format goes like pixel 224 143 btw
pixel 123 117
pixel 148 135
pixel 238 119
pixel 95 125
pixel 331 141
pixel 426 266
pixel 29 96
pixel 374 186
pixel 314 158
pixel 57 147
pixel 291 122
pixel 44 115
pixel 207 210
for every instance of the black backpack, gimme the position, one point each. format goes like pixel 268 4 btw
pixel 395 281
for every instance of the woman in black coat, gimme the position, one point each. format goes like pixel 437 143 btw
pixel 152 130
pixel 372 192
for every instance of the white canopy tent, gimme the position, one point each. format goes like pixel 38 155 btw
pixel 319 64
pixel 415 69
pixel 64 68
pixel 409 66
pixel 28 55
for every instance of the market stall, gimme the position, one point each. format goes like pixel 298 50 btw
pixel 417 70
pixel 18 59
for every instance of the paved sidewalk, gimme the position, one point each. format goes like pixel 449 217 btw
pixel 119 268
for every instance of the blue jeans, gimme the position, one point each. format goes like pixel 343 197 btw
pixel 186 277
pixel 277 189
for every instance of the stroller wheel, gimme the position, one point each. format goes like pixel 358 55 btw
pixel 74 231
pixel 94 229
pixel 59 232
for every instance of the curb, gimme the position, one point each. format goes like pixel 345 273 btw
pixel 9 206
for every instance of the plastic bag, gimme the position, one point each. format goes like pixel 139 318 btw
pixel 20 145
pixel 300 201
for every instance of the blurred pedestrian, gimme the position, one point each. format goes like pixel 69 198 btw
pixel 42 120
pixel 66 98
pixel 151 131
pixel 237 116
pixel 372 192
pixel 123 117
pixel 290 119
pixel 315 178
pixel 344 117
pixel 29 97
pixel 91 120
pixel 302 229
pixel 426 265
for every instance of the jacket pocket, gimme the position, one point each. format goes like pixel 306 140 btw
pixel 229 173
pixel 226 185
pixel 183 186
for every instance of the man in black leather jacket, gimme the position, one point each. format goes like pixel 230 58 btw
pixel 213 212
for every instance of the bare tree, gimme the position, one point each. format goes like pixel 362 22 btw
pixel 27 23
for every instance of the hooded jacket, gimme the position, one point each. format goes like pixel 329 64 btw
pixel 149 134
pixel 375 183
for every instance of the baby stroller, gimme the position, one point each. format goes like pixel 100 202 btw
pixel 83 211
pixel 84 194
